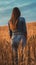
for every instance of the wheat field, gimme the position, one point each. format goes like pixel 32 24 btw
pixel 25 56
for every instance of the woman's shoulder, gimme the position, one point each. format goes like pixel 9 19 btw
pixel 21 19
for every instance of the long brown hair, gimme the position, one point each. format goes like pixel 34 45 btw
pixel 16 13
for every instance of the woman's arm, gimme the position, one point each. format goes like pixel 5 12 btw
pixel 10 31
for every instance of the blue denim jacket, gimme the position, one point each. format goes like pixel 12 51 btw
pixel 21 25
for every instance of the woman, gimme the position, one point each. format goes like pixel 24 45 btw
pixel 17 27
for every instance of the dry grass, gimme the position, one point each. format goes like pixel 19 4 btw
pixel 25 57
pixel 29 53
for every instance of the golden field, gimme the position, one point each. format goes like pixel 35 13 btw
pixel 29 51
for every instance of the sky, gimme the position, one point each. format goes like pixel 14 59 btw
pixel 27 8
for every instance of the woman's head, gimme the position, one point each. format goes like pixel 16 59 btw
pixel 15 13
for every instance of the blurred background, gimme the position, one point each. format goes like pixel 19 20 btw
pixel 27 8
pixel 28 11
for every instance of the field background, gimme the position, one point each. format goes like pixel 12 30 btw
pixel 29 53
